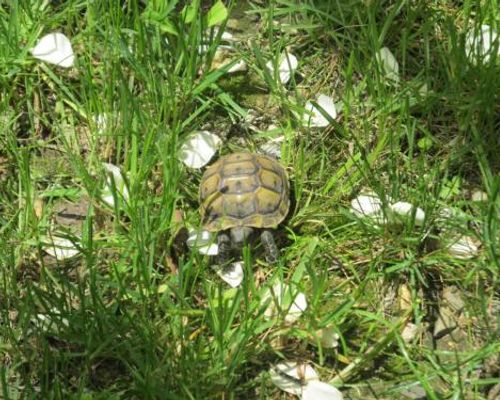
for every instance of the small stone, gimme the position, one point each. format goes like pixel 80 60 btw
pixel 329 339
pixel 404 297
pixel 409 333
pixel 233 23
pixel 451 295
pixel 445 323
pixel 479 195
pixel 71 216
pixel 456 341
pixel 38 207
pixel 494 393
pixel 416 392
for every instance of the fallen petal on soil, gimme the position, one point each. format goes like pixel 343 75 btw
pixel 199 148
pixel 389 64
pixel 405 209
pixel 60 248
pixel 54 48
pixel 463 248
pixel 232 274
pixel 316 390
pixel 202 241
pixel 315 116
pixel 286 68
pixel 291 376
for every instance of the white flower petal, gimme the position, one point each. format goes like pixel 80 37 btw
pixel 283 298
pixel 298 306
pixel 209 250
pixel 226 36
pixel 286 384
pixel 366 205
pixel 241 65
pixel 389 64
pixel 314 117
pixel 54 48
pixel 101 122
pixel 115 171
pixel 463 248
pixel 114 176
pixel 199 148
pixel 317 390
pixel 290 376
pixel 272 149
pixel 275 301
pixel 286 68
pixel 327 103
pixel 329 339
pixel 203 241
pixel 369 206
pixel 273 146
pixel 405 209
pixel 50 321
pixel 199 238
pixel 59 247
pixel 481 45
pixel 232 274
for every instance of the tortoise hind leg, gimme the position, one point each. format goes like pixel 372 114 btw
pixel 270 248
pixel 224 243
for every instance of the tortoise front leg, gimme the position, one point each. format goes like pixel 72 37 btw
pixel 224 243
pixel 270 248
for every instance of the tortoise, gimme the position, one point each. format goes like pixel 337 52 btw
pixel 240 194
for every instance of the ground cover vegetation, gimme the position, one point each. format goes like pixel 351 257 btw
pixel 385 115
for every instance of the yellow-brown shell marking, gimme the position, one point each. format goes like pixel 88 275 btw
pixel 244 189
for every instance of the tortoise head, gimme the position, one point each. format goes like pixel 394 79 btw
pixel 240 235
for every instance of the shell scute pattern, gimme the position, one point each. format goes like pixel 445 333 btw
pixel 244 189
pixel 240 184
pixel 210 185
pixel 238 206
pixel 243 168
pixel 271 180
pixel 268 201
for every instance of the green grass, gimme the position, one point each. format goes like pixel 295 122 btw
pixel 136 314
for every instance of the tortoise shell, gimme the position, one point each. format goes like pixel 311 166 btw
pixel 244 189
